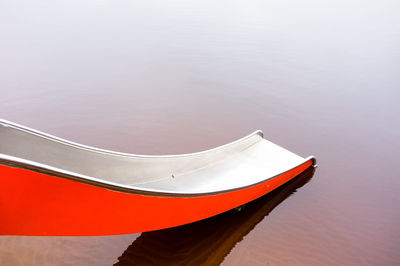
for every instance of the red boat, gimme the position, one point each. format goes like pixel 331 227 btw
pixel 50 186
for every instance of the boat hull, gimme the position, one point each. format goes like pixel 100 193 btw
pixel 33 203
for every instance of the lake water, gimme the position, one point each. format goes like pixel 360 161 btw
pixel 164 77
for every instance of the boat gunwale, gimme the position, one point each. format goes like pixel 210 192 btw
pixel 15 162
pixel 122 154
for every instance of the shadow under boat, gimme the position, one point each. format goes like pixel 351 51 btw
pixel 210 240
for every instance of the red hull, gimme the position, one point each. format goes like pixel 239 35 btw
pixel 33 203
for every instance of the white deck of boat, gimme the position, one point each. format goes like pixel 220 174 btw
pixel 254 164
pixel 241 163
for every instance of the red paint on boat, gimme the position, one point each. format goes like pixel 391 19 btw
pixel 33 203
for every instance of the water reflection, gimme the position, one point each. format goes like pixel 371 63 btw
pixel 210 240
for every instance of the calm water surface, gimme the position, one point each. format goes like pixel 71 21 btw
pixel 157 77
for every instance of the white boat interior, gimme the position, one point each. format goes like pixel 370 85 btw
pixel 239 164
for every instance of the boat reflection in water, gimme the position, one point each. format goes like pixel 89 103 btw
pixel 210 240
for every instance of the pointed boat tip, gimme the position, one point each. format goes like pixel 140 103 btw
pixel 314 161
pixel 259 132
